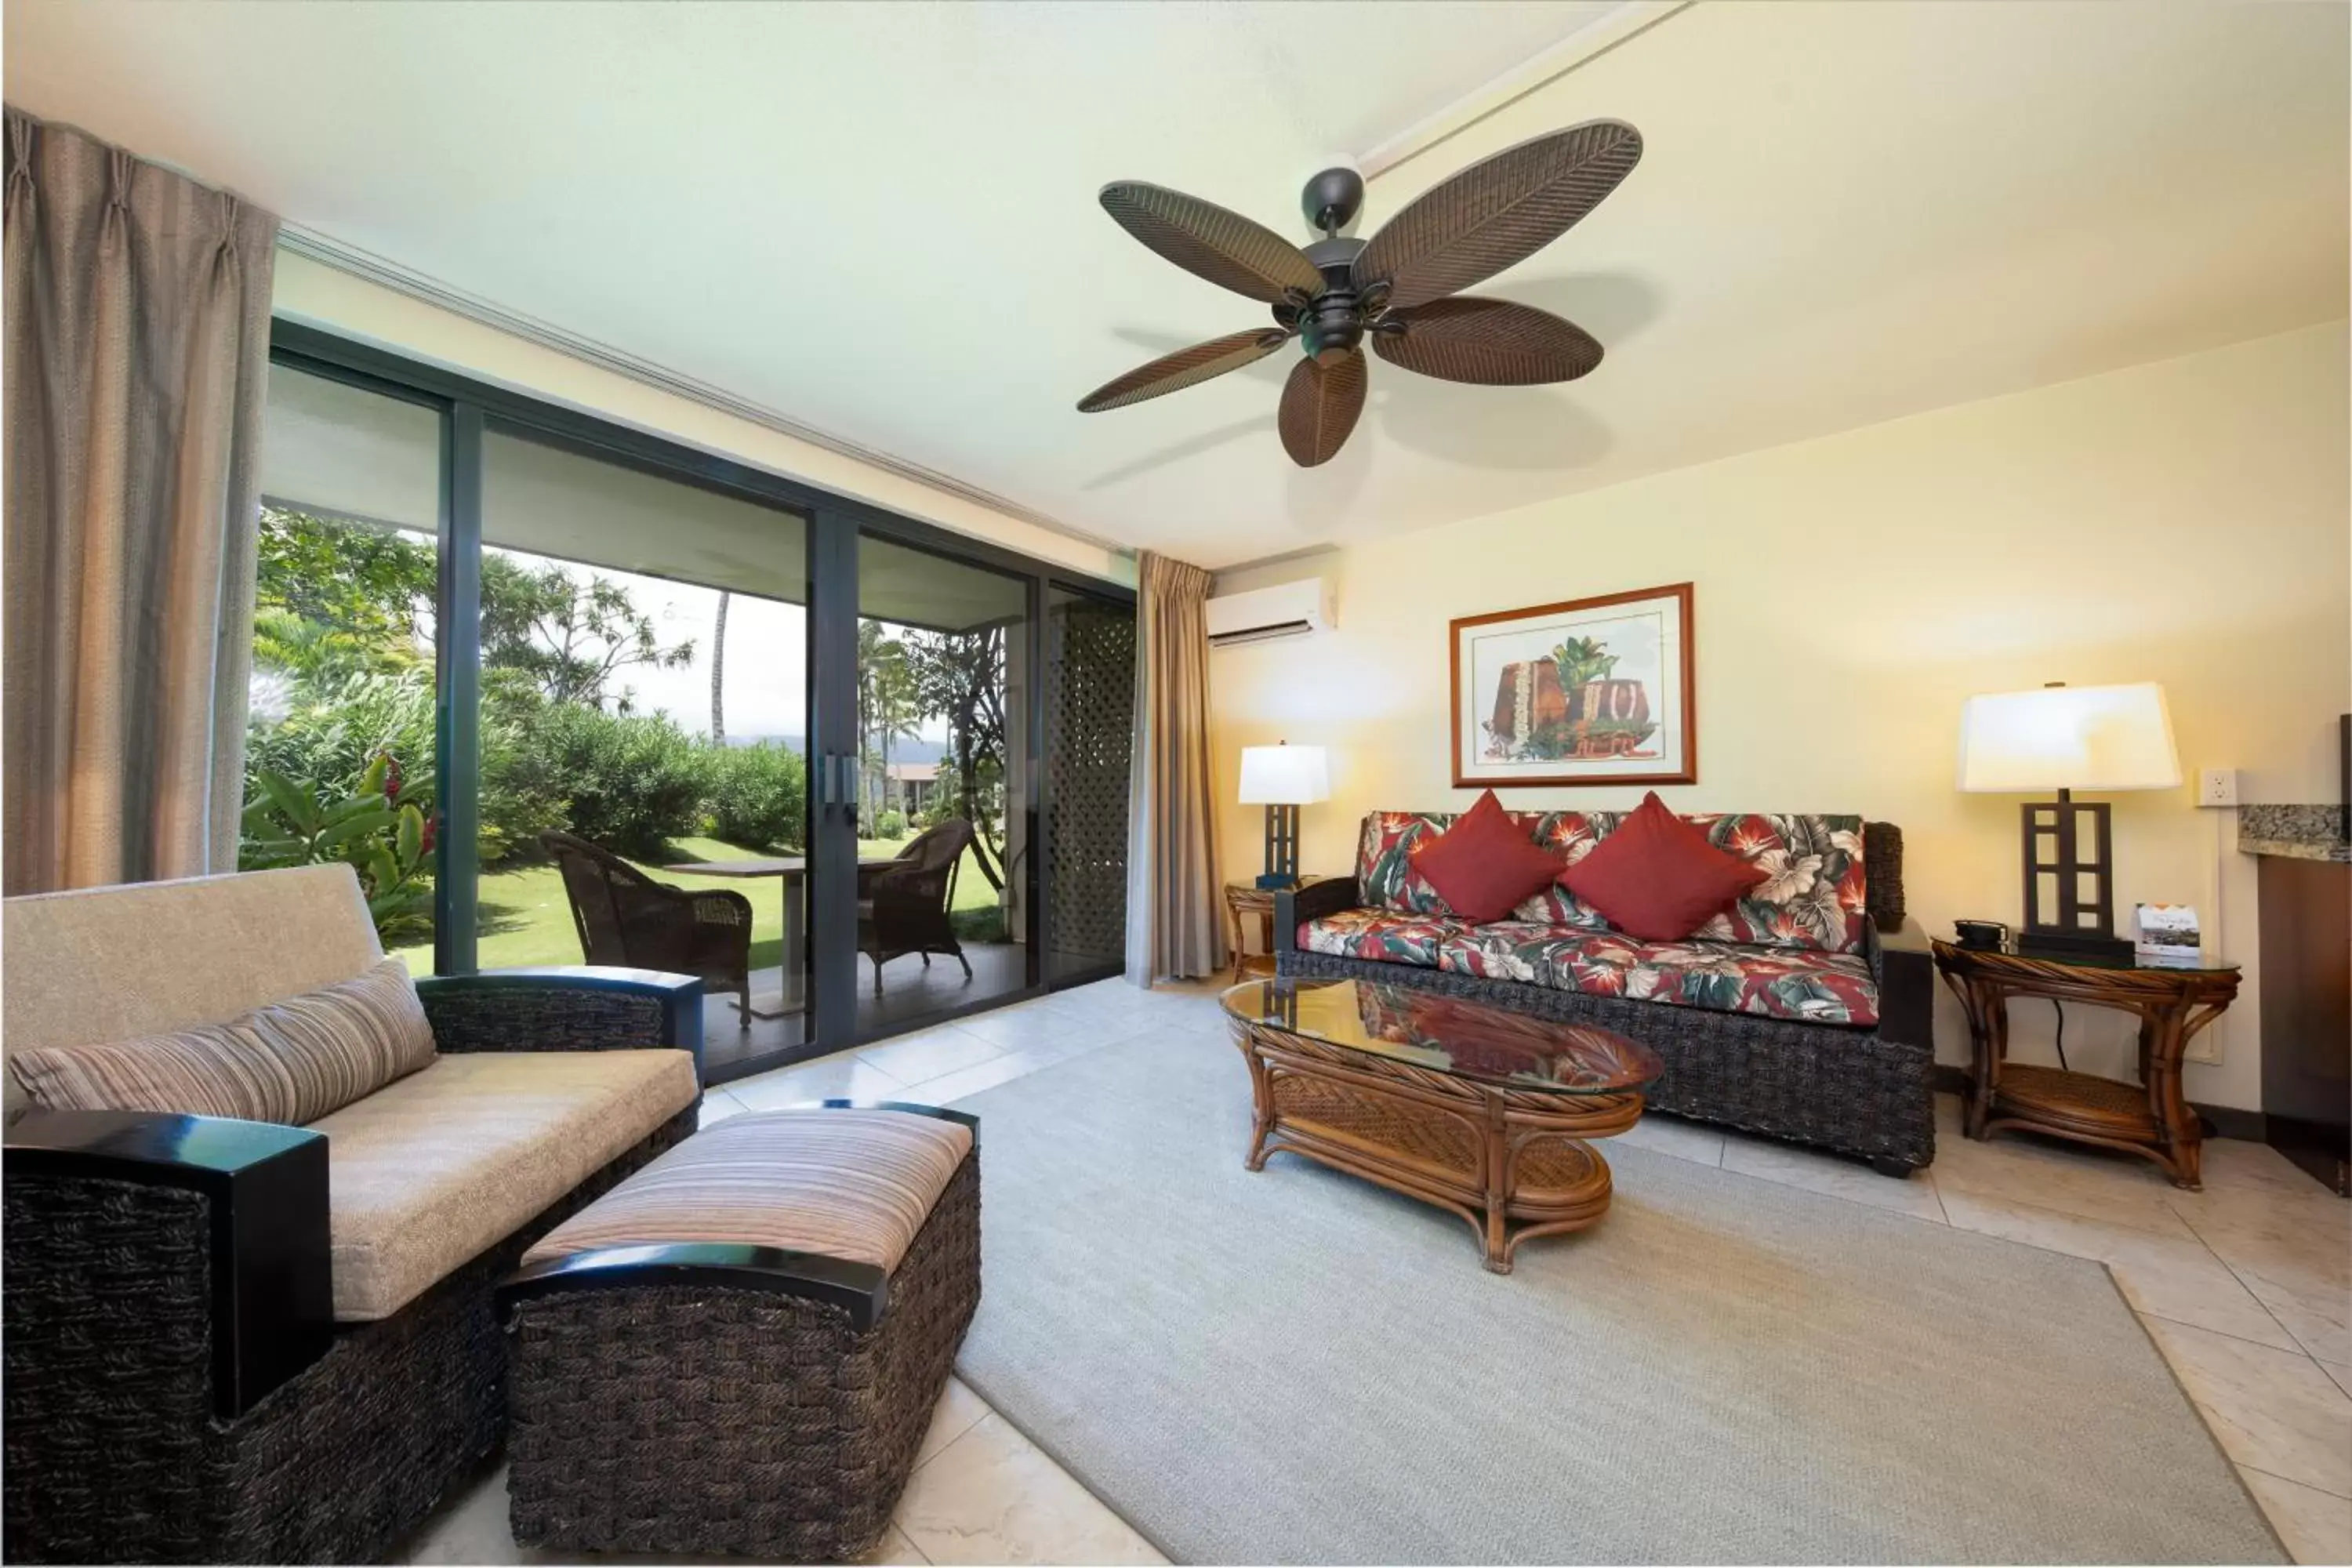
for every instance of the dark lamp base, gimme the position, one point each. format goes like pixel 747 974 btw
pixel 2073 944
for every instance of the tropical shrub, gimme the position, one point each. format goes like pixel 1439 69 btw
pixel 333 731
pixel 890 825
pixel 759 797
pixel 633 782
pixel 383 834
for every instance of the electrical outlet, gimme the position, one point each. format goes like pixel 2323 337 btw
pixel 2217 787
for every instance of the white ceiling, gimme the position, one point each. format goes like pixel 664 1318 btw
pixel 879 220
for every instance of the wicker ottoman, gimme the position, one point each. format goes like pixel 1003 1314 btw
pixel 737 1349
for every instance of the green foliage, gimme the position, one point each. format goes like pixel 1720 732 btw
pixel 568 639
pixel 983 924
pixel 1581 659
pixel 334 598
pixel 891 825
pixel 759 797
pixel 632 782
pixel 958 676
pixel 335 729
pixel 384 833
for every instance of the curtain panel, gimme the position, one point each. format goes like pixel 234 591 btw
pixel 1174 925
pixel 137 350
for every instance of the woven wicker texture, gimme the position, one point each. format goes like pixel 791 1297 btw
pixel 1842 1089
pixel 544 1018
pixel 1185 367
pixel 1210 242
pixel 1447 1140
pixel 675 1420
pixel 1319 405
pixel 1475 224
pixel 1489 342
pixel 113 1453
pixel 1882 871
pixel 2067 1091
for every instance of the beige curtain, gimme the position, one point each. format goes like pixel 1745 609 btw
pixel 137 322
pixel 1174 902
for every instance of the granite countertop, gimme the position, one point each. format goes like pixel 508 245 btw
pixel 2295 832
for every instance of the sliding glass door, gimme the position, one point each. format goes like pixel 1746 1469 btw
pixel 856 773
pixel 945 765
pixel 643 720
pixel 346 646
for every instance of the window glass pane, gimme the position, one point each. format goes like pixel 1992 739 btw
pixel 340 744
pixel 945 784
pixel 644 648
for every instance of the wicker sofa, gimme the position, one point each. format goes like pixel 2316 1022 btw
pixel 233 1340
pixel 1804 1013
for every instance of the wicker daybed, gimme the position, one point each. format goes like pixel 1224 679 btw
pixel 1807 1018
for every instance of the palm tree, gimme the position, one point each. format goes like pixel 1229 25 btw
pixel 718 672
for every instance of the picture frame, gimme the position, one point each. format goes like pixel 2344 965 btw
pixel 1601 690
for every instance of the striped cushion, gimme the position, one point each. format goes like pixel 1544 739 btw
pixel 291 1061
pixel 853 1184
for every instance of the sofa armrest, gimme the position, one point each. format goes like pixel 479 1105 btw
pixel 1905 968
pixel 565 1008
pixel 135 1240
pixel 1294 906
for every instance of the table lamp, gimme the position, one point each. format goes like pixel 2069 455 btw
pixel 2068 738
pixel 1281 778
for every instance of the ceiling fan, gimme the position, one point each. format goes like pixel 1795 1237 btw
pixel 1399 288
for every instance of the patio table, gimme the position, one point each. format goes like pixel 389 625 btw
pixel 792 870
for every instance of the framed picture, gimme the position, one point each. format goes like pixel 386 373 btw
pixel 1592 691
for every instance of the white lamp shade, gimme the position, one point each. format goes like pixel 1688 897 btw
pixel 1283 775
pixel 2068 737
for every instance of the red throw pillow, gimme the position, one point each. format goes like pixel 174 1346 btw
pixel 1486 863
pixel 1658 876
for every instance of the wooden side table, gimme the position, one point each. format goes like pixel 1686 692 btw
pixel 2150 1118
pixel 1249 899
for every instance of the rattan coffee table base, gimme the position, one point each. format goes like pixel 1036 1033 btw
pixel 1514 1164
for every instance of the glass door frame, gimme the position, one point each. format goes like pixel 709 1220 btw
pixel 468 407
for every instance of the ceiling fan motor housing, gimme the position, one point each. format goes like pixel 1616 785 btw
pixel 1333 322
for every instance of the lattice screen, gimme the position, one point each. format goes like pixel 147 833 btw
pixel 1089 735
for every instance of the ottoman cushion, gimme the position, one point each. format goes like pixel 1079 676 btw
pixel 849 1183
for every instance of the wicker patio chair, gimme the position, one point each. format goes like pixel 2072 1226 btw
pixel 902 904
pixel 626 917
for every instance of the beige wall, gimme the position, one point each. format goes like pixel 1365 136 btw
pixel 2184 521
pixel 310 291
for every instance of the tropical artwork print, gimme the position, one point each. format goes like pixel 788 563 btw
pixel 1590 691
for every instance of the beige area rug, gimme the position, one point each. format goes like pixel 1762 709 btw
pixel 1295 1366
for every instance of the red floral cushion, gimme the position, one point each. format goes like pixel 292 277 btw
pixel 1812 988
pixel 1485 863
pixel 1658 876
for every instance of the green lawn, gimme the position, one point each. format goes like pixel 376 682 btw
pixel 525 919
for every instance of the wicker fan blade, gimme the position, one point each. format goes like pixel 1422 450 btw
pixel 1319 405
pixel 1185 367
pixel 1203 238
pixel 1492 343
pixel 1497 212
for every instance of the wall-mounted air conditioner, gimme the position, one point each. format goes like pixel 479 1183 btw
pixel 1285 610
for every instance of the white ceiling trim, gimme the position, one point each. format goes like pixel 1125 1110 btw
pixel 1539 70
pixel 332 252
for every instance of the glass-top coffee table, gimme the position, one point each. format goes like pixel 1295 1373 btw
pixel 1470 1106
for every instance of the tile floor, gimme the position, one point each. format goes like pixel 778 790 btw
pixel 2246 1287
